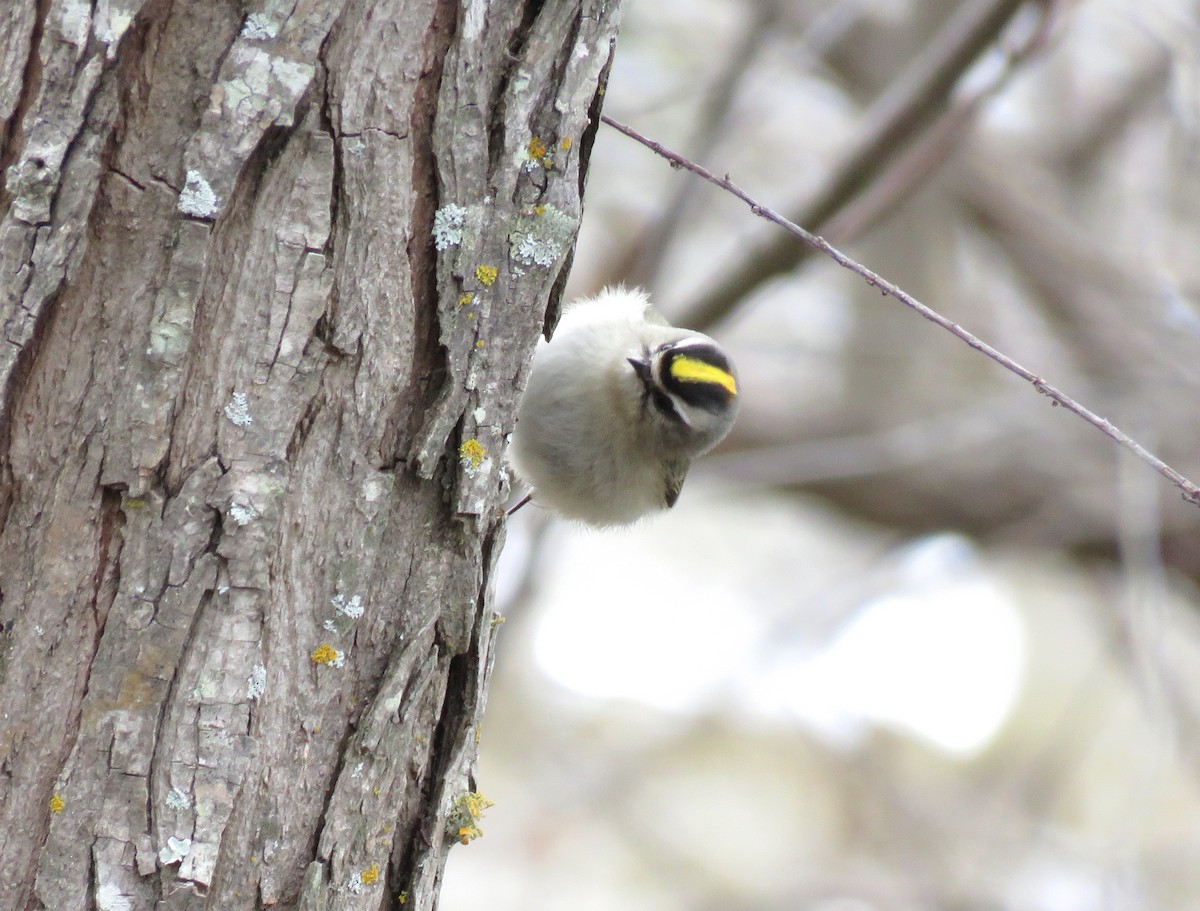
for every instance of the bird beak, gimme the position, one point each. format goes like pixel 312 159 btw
pixel 641 367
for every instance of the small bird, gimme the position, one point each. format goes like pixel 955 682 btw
pixel 618 404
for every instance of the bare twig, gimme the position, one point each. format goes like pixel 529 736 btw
pixel 512 509
pixel 1191 492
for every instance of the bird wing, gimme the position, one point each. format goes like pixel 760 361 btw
pixel 674 471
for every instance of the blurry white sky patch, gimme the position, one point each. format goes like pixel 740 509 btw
pixel 642 615
pixel 705 607
pixel 941 661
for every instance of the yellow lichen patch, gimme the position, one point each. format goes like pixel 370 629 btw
pixel 402 898
pixel 472 452
pixel 465 300
pixel 324 654
pixel 135 503
pixel 464 816
pixel 566 143
pixel 486 275
pixel 57 804
pixel 476 803
pixel 467 834
pixel 539 211
pixel 537 148
pixel 481 344
pixel 370 876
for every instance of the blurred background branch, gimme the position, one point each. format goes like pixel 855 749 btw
pixel 910 639
pixel 1189 489
pixel 911 102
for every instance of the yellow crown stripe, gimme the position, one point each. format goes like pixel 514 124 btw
pixel 693 370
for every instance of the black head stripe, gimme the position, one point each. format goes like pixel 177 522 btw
pixel 665 406
pixel 707 395
pixel 653 395
pixel 702 350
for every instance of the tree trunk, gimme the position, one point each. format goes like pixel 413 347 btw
pixel 251 429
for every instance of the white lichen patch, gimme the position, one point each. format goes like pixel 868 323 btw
pixel 353 608
pixel 177 799
pixel 260 87
pixel 448 223
pixel 541 239
pixel 527 162
pixel 197 197
pixel 75 19
pixel 110 24
pixel 256 683
pixel 292 75
pixel 372 490
pixel 470 469
pixel 259 27
pixel 242 513
pixel 238 410
pixel 174 851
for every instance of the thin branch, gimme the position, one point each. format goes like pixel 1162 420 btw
pixel 1191 492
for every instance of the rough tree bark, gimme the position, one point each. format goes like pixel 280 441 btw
pixel 251 427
